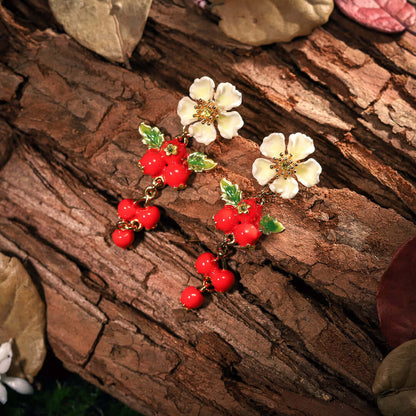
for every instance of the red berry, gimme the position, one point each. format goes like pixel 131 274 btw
pixel 123 238
pixel 126 209
pixel 206 263
pixel 148 216
pixel 173 151
pixel 152 163
pixel 176 175
pixel 253 215
pixel 226 219
pixel 222 280
pixel 246 234
pixel 191 298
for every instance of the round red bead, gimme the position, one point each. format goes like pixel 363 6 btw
pixel 206 263
pixel 148 216
pixel 222 280
pixel 191 298
pixel 176 175
pixel 152 163
pixel 246 234
pixel 126 209
pixel 226 219
pixel 123 238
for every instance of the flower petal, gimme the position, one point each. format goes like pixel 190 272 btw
pixel 19 384
pixel 308 172
pixel 6 356
pixel 300 146
pixel 203 133
pixel 186 111
pixel 262 172
pixel 227 96
pixel 273 145
pixel 3 394
pixel 287 188
pixel 229 124
pixel 202 88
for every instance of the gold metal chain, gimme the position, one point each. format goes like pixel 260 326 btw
pixel 184 137
pixel 265 195
pixel 151 191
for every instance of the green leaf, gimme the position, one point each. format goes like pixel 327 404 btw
pixel 231 194
pixel 198 162
pixel 270 225
pixel 152 137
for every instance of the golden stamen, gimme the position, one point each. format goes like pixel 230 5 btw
pixel 206 112
pixel 284 166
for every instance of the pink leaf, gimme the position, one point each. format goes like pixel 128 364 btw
pixel 396 296
pixel 390 16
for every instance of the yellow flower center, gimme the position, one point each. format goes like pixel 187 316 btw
pixel 206 111
pixel 284 165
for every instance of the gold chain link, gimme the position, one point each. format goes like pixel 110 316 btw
pixel 206 286
pixel 129 225
pixel 151 191
pixel 265 195
pixel 185 136
pixel 223 249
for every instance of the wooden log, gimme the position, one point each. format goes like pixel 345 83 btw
pixel 299 333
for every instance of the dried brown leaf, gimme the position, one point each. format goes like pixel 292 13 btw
pixel 22 317
pixel 396 297
pixel 263 22
pixel 111 28
pixel 395 382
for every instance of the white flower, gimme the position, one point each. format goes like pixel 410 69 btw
pixel 16 383
pixel 285 165
pixel 207 108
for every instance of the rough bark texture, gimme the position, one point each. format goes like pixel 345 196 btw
pixel 299 333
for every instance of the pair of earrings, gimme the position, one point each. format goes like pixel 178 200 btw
pixel 242 221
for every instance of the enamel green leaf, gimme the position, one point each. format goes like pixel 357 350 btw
pixel 270 225
pixel 231 194
pixel 198 162
pixel 152 137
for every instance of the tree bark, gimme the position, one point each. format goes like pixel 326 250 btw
pixel 298 335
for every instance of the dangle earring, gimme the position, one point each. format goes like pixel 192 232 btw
pixel 168 161
pixel 242 220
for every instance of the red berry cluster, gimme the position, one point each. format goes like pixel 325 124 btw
pixel 169 162
pixel 220 279
pixel 242 221
pixel 138 217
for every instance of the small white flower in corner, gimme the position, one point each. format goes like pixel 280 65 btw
pixel 207 108
pixel 16 383
pixel 285 164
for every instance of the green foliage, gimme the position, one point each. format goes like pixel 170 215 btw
pixel 231 193
pixel 153 138
pixel 270 225
pixel 198 162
